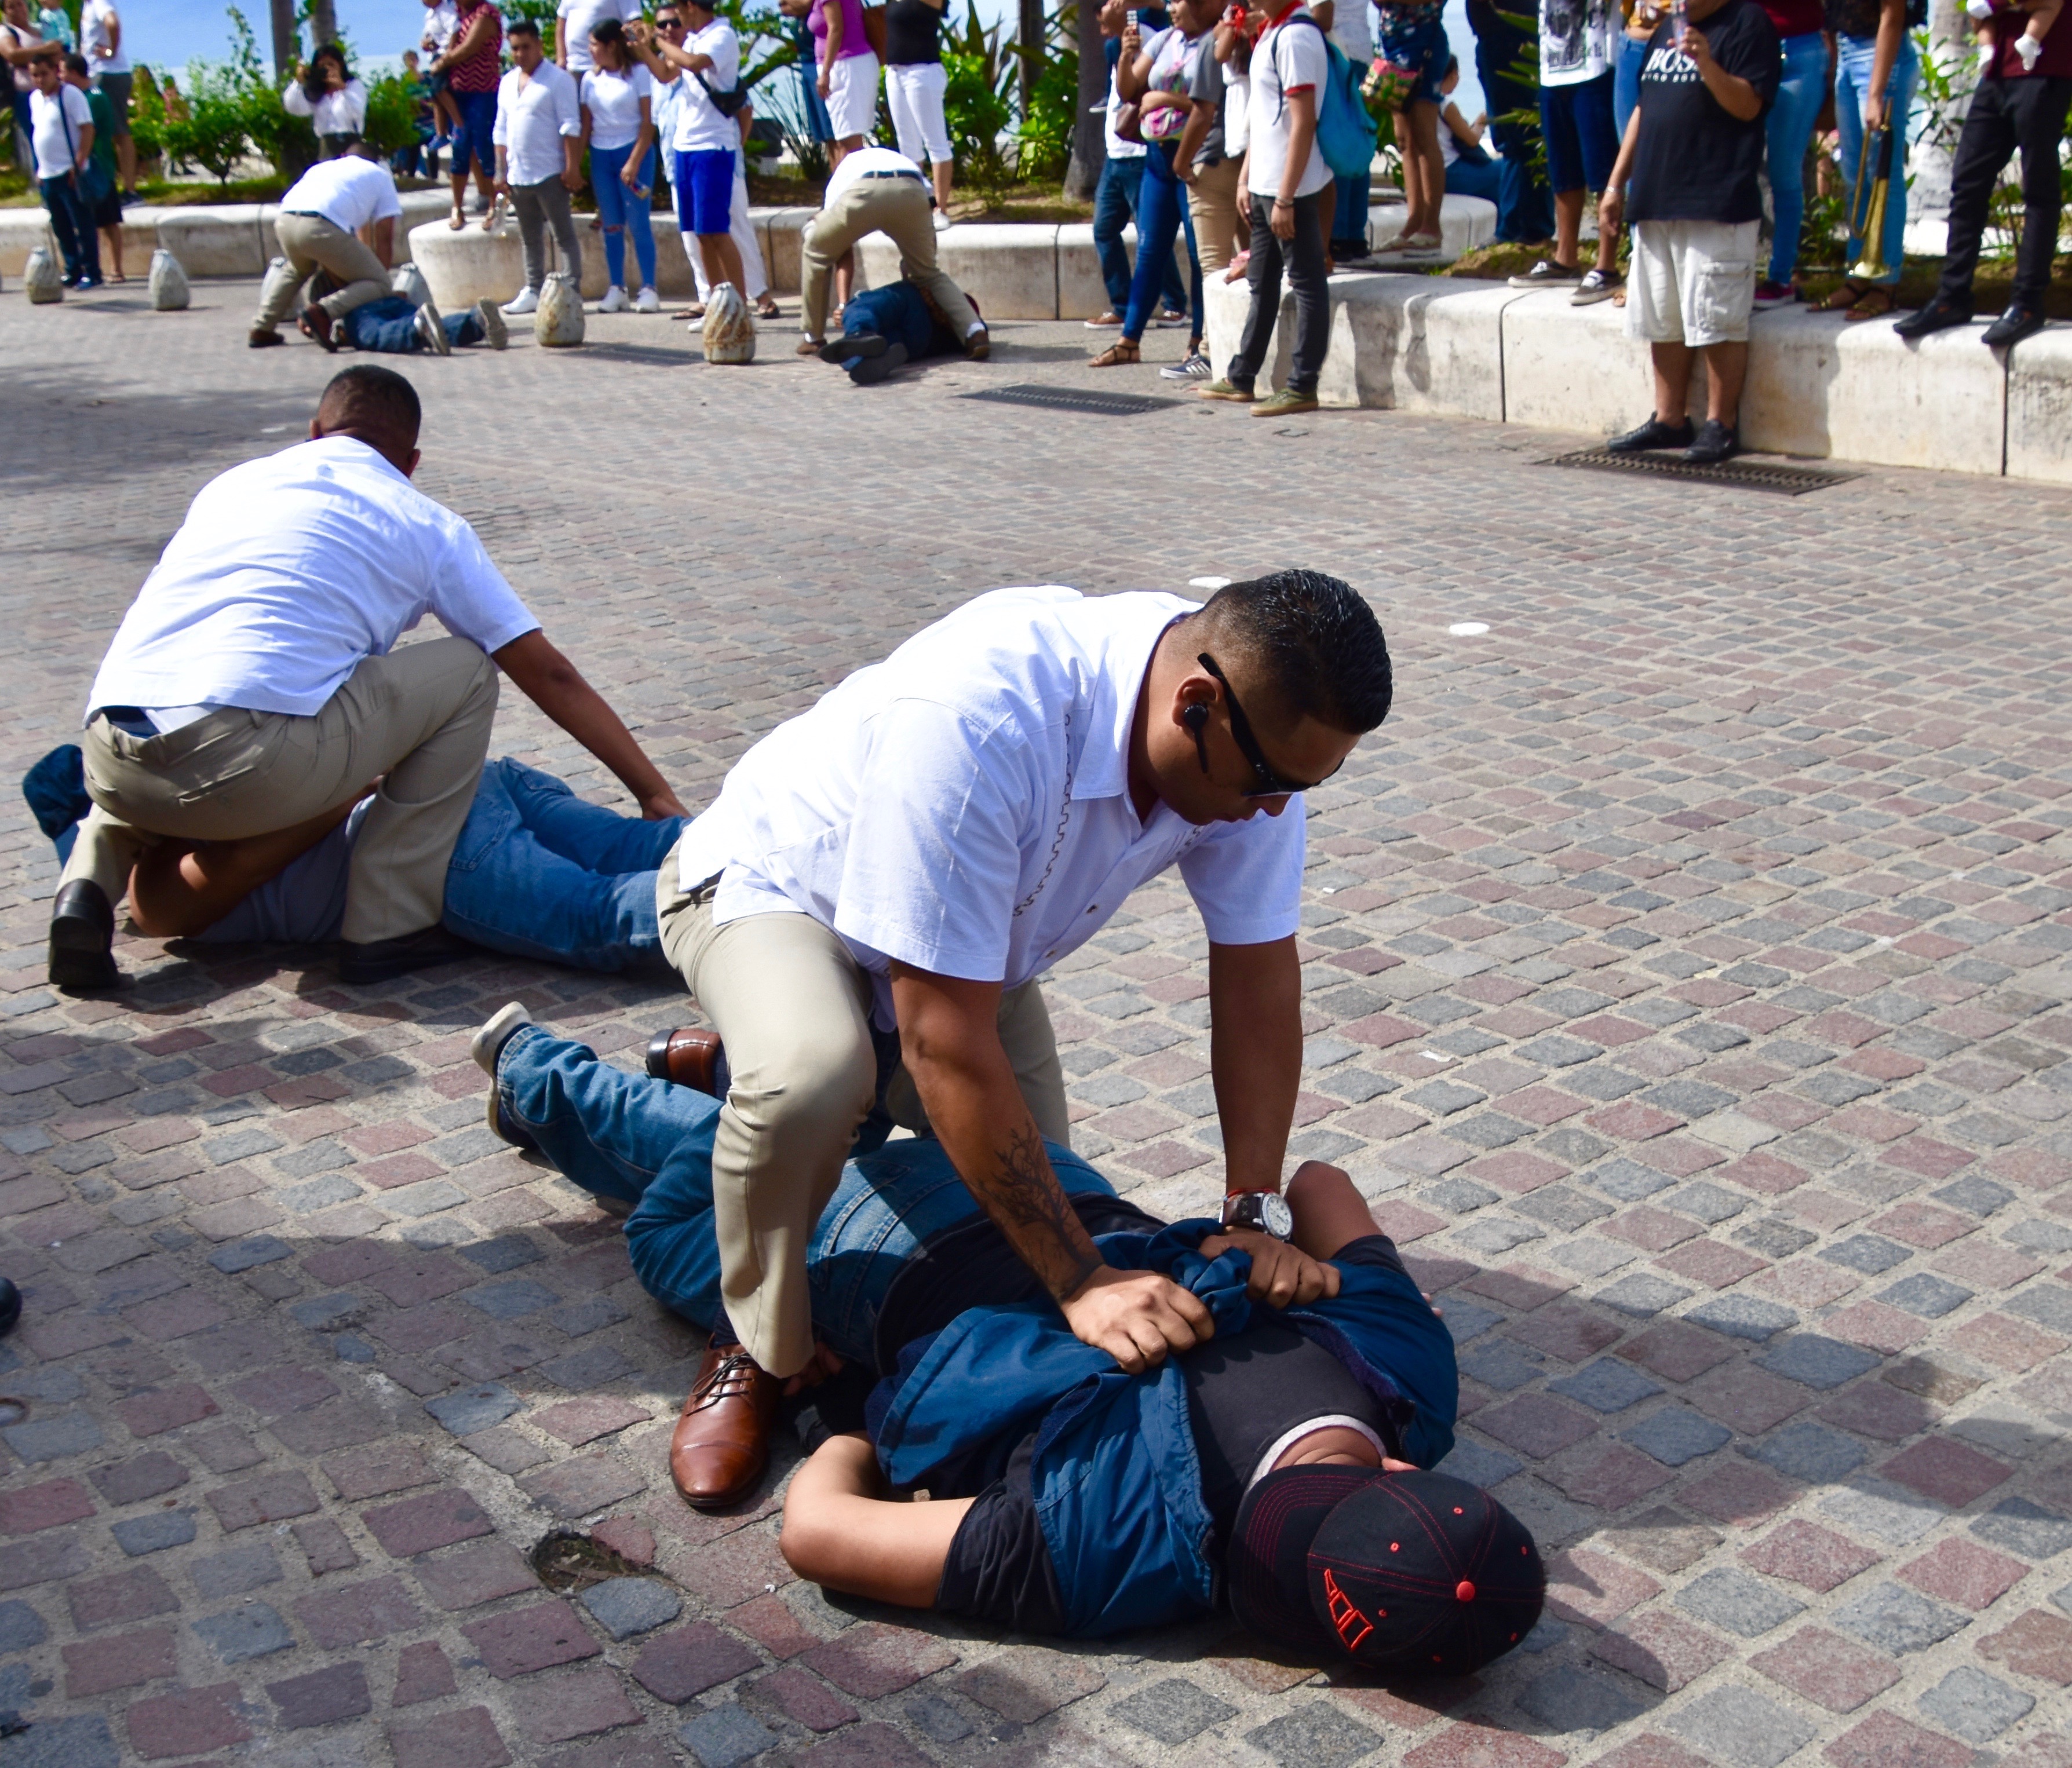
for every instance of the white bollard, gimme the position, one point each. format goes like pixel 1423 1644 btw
pixel 558 321
pixel 729 327
pixel 168 282
pixel 41 279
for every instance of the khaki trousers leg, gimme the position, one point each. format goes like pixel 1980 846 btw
pixel 1032 1051
pixel 899 208
pixel 792 1007
pixel 1213 200
pixel 312 243
pixel 420 716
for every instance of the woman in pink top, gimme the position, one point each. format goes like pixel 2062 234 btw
pixel 849 71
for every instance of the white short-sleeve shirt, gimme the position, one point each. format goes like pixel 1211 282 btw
pixel 349 192
pixel 580 18
pixel 97 23
pixel 55 143
pixel 534 112
pixel 1290 57
pixel 613 101
pixel 700 127
pixel 290 570
pixel 963 806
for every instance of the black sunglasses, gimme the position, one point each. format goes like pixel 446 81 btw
pixel 1271 784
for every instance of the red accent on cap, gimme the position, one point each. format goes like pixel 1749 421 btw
pixel 1396 1547
pixel 1464 1591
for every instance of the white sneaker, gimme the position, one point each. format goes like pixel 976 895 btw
pixel 527 301
pixel 495 333
pixel 430 333
pixel 487 1044
pixel 614 301
pixel 647 302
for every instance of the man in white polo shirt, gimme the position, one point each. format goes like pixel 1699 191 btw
pixel 907 857
pixel 252 687
pixel 319 227
pixel 876 190
pixel 539 158
pixel 699 52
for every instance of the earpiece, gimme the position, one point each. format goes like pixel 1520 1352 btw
pixel 1195 718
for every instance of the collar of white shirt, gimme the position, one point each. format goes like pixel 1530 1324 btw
pixel 1103 770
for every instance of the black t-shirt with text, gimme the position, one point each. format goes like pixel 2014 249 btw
pixel 1695 161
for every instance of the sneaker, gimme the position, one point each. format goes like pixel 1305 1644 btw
pixel 1653 434
pixel 1597 285
pixel 614 301
pixel 1194 367
pixel 647 302
pixel 1167 317
pixel 495 333
pixel 1284 403
pixel 487 1044
pixel 1225 388
pixel 1549 273
pixel 430 333
pixel 1715 442
pixel 528 301
pixel 1775 294
pixel 1110 321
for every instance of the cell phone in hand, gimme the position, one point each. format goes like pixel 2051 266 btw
pixel 1129 18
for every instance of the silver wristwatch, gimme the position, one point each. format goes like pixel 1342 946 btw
pixel 1265 1211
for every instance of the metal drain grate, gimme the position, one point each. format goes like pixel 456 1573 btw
pixel 1791 481
pixel 1069 399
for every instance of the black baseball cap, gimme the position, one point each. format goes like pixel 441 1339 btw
pixel 1417 1572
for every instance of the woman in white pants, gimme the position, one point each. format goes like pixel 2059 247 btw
pixel 914 82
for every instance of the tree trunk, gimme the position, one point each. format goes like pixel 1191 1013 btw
pixel 323 22
pixel 1089 143
pixel 1029 34
pixel 287 38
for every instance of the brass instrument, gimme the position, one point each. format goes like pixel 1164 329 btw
pixel 1869 228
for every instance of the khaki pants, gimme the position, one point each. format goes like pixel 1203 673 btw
pixel 420 716
pixel 313 243
pixel 897 208
pixel 793 1008
pixel 1212 199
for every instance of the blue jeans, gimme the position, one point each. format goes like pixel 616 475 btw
pixel 1852 79
pixel 622 213
pixel 648 1144
pixel 1626 81
pixel 539 872
pixel 1476 177
pixel 1114 207
pixel 1787 129
pixel 389 326
pixel 78 244
pixel 1162 213
pixel 1349 219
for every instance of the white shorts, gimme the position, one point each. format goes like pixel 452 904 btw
pixel 914 92
pixel 1691 282
pixel 852 96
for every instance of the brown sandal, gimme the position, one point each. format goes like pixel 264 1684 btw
pixel 1118 354
pixel 1875 303
pixel 1841 297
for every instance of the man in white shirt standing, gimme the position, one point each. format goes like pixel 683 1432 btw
pixel 705 63
pixel 539 157
pixel 1287 175
pixel 101 38
pixel 909 855
pixel 61 138
pixel 319 228
pixel 876 190
pixel 252 687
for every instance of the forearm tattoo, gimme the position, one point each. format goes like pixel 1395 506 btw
pixel 1029 1207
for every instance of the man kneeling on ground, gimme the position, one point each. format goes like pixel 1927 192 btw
pixel 1280 1459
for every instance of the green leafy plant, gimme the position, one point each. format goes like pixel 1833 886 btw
pixel 391 114
pixel 1043 137
pixel 978 101
pixel 215 133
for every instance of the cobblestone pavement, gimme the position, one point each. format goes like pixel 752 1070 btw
pixel 1686 980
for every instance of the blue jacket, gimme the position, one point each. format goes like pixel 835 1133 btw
pixel 1116 1480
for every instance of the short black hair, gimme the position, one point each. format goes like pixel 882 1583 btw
pixel 1313 639
pixel 76 63
pixel 377 405
pixel 521 27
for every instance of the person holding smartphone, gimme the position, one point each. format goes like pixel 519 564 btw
pixel 618 98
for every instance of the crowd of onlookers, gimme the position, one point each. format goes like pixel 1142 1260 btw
pixel 71 126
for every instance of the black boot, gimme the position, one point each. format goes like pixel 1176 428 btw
pixel 83 937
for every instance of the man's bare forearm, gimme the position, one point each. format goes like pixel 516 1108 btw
pixel 1255 1057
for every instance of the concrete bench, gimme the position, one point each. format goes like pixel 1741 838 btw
pixel 1816 387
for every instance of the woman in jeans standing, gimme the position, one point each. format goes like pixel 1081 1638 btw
pixel 618 125
pixel 1800 92
pixel 1876 64
pixel 473 65
pixel 1154 76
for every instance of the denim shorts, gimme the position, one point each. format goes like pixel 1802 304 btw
pixel 478 123
pixel 1416 52
pixel 1582 142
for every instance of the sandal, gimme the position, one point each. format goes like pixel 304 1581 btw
pixel 458 219
pixel 1118 354
pixel 1877 302
pixel 1841 297
pixel 693 313
pixel 768 309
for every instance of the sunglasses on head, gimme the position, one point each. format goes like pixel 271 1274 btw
pixel 1267 783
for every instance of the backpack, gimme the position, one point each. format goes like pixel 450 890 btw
pixel 1347 131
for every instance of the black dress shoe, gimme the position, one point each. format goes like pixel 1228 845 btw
pixel 1715 442
pixel 377 960
pixel 2013 326
pixel 83 937
pixel 874 369
pixel 851 345
pixel 10 1306
pixel 1653 434
pixel 1938 315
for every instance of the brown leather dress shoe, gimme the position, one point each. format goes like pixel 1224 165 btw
pixel 689 1057
pixel 722 1440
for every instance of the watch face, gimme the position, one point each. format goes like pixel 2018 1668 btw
pixel 1275 1216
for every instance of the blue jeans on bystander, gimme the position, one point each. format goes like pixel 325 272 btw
pixel 1855 57
pixel 1114 207
pixel 73 223
pixel 1787 129
pixel 1161 216
pixel 622 213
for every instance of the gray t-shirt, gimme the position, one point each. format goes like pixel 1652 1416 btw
pixel 305 905
pixel 1205 84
